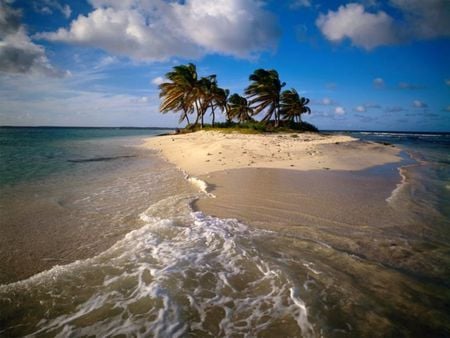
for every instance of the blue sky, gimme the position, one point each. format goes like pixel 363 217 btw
pixel 365 65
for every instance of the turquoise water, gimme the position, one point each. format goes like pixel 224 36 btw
pixel 28 154
pixel 429 174
pixel 98 238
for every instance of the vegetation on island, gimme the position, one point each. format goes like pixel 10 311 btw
pixel 195 97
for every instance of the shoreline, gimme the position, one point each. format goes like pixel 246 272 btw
pixel 349 206
pixel 301 185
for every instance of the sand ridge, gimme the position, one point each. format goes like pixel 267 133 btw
pixel 204 152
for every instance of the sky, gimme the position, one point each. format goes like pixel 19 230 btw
pixel 365 65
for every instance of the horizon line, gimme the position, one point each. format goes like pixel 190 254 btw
pixel 320 130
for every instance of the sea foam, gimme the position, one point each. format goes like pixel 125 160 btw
pixel 200 184
pixel 192 274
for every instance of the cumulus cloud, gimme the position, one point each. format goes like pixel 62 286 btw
pixel 18 54
pixel 416 20
pixel 361 109
pixel 156 30
pixel 419 104
pixel 364 29
pixel 378 82
pixel 339 110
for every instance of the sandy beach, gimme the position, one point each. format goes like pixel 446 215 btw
pixel 322 185
pixel 285 179
pixel 206 152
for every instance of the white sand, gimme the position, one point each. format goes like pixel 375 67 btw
pixel 204 152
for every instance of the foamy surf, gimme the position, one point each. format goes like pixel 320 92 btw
pixel 175 276
pixel 400 186
pixel 199 184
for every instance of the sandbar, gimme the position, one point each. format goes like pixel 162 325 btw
pixel 205 152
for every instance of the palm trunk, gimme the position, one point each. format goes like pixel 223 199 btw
pixel 198 113
pixel 277 116
pixel 213 114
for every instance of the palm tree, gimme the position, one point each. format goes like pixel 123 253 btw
pixel 181 91
pixel 239 108
pixel 264 93
pixel 206 88
pixel 293 106
pixel 221 101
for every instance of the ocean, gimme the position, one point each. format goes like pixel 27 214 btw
pixel 98 237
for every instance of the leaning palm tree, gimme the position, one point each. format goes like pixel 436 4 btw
pixel 205 92
pixel 221 101
pixel 239 108
pixel 293 106
pixel 173 99
pixel 180 92
pixel 264 93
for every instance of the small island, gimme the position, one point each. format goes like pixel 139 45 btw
pixel 264 129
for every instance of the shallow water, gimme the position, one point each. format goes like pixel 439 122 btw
pixel 155 267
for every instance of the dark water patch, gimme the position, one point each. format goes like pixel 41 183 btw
pixel 101 159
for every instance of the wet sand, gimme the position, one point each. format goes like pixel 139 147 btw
pixel 288 197
pixel 346 210
pixel 368 254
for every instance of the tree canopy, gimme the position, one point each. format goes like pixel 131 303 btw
pixel 186 93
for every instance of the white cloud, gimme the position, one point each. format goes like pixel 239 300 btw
pixel 364 29
pixel 417 20
pixel 360 109
pixel 158 80
pixel 378 82
pixel 339 110
pixel 18 54
pixel 156 30
pixel 419 104
pixel 30 101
